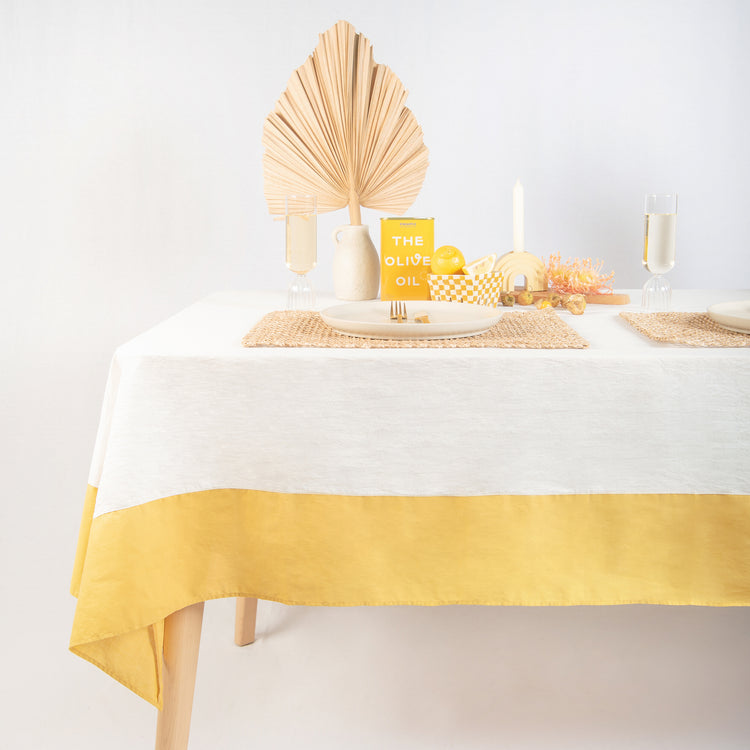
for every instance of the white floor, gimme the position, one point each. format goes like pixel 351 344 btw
pixel 630 677
pixel 619 678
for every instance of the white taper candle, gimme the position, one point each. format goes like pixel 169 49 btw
pixel 518 217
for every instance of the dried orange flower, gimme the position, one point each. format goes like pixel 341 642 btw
pixel 576 276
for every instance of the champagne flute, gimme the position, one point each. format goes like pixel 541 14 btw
pixel 301 248
pixel 659 250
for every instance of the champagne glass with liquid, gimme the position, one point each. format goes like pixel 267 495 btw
pixel 659 250
pixel 301 248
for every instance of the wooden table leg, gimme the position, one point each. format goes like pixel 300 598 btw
pixel 182 637
pixel 244 620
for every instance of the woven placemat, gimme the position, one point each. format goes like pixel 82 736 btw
pixel 688 329
pixel 527 330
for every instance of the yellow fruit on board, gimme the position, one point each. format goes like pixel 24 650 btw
pixel 485 264
pixel 447 259
pixel 576 304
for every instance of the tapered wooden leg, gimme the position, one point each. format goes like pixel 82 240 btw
pixel 244 620
pixel 182 637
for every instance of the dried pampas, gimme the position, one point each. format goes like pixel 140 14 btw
pixel 341 131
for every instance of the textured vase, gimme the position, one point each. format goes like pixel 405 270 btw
pixel 356 265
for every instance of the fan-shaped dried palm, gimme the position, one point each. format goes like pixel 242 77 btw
pixel 341 131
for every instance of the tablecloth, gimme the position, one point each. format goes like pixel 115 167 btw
pixel 609 475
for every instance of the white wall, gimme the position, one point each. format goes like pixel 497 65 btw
pixel 131 185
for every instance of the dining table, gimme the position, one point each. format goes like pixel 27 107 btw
pixel 596 467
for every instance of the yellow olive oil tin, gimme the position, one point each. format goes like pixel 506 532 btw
pixel 406 246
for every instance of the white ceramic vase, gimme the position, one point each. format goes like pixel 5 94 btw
pixel 356 265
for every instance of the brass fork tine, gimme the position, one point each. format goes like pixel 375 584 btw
pixel 398 311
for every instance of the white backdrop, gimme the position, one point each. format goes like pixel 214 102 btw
pixel 131 185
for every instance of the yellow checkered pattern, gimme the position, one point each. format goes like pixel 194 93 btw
pixel 483 289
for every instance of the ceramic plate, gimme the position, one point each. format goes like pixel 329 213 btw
pixel 734 316
pixel 448 320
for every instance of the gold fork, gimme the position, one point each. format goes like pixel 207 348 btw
pixel 398 311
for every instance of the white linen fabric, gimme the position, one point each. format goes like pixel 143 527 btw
pixel 188 408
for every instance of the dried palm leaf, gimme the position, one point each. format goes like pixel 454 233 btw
pixel 341 131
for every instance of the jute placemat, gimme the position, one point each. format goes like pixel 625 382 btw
pixel 527 330
pixel 688 329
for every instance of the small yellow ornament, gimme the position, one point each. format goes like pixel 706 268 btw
pixel 575 304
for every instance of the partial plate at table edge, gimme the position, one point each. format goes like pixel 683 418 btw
pixel 718 315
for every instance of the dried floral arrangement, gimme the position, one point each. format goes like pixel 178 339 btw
pixel 578 276
pixel 340 131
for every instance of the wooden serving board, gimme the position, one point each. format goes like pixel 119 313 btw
pixel 592 299
pixel 608 299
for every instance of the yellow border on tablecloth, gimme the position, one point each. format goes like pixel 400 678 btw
pixel 136 566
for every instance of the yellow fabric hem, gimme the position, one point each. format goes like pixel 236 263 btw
pixel 134 567
pixel 156 701
pixel 89 505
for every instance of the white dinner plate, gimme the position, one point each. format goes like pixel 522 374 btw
pixel 734 316
pixel 448 320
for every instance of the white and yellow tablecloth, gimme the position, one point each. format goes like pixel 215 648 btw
pixel 610 475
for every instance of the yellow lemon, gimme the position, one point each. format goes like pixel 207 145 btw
pixel 447 259
pixel 484 265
